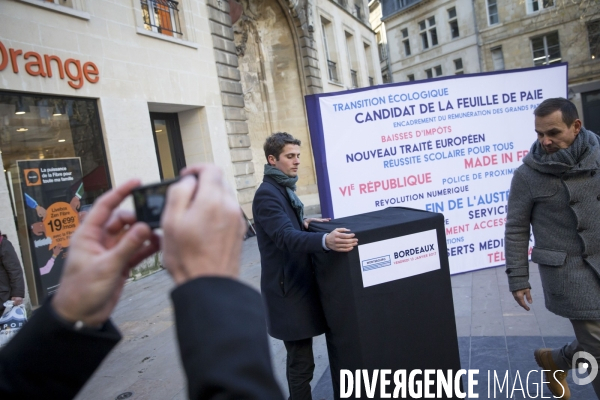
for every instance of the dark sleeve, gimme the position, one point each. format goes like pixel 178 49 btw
pixel 223 342
pixel 13 269
pixel 48 359
pixel 516 233
pixel 271 215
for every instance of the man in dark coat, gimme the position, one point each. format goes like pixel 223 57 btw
pixel 220 322
pixel 12 284
pixel 287 282
pixel 556 191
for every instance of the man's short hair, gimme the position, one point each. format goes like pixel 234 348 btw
pixel 276 142
pixel 568 109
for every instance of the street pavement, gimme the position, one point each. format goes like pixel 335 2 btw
pixel 494 334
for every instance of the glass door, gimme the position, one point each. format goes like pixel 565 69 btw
pixel 169 148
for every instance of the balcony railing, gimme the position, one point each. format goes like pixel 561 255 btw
pixel 161 16
pixel 354 76
pixel 332 68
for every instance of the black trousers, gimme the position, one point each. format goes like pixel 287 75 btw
pixel 299 368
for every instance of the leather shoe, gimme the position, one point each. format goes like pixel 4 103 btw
pixel 558 386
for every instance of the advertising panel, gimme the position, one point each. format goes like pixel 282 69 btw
pixel 447 145
pixel 52 189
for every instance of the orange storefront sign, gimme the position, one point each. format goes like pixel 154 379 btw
pixel 47 65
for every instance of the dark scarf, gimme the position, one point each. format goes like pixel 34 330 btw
pixel 290 187
pixel 580 155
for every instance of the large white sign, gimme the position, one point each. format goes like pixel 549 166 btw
pixel 399 257
pixel 447 145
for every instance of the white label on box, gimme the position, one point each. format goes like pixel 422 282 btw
pixel 399 257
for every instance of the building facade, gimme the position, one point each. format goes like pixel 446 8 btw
pixel 535 32
pixel 320 46
pixel 427 39
pixel 382 43
pixel 141 88
pixel 430 38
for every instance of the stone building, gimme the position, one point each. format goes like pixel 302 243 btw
pixel 286 53
pixel 427 39
pixel 440 37
pixel 540 32
pixel 141 88
pixel 382 43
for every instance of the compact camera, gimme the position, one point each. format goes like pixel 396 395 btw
pixel 150 201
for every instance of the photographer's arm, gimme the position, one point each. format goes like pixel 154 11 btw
pixel 220 322
pixel 55 353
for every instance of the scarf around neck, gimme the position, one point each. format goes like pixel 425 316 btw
pixel 574 158
pixel 290 187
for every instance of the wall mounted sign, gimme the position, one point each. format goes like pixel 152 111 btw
pixel 47 66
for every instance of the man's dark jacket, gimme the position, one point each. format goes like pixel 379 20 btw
pixel 287 282
pixel 222 341
pixel 12 283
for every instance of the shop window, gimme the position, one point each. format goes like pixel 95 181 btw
pixel 162 16
pixel 546 49
pixel 52 150
pixel 594 39
pixel 428 33
pixel 492 10
pixel 453 21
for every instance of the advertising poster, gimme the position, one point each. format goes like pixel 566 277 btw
pixel 52 189
pixel 447 145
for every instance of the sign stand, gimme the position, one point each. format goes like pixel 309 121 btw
pixel 388 303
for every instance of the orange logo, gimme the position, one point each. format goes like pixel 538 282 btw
pixel 32 177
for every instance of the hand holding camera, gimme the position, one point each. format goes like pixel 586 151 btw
pixel 203 229
pixel 203 226
pixel 103 250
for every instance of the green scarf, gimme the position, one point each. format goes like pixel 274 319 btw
pixel 290 186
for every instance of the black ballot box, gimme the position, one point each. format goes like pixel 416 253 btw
pixel 388 302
